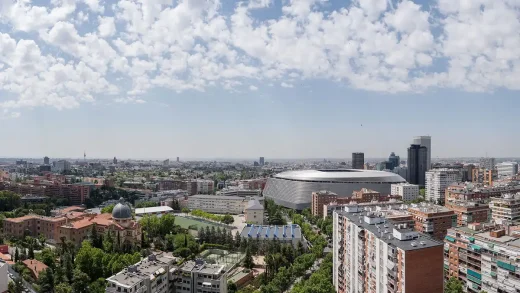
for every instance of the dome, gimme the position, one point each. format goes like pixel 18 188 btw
pixel 122 210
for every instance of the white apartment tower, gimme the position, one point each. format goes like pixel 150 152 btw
pixel 425 141
pixel 406 191
pixel 507 169
pixel 437 180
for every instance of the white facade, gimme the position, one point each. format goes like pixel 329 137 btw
pixel 505 210
pixel 254 212
pixel 217 204
pixel 61 166
pixel 406 191
pixel 205 186
pixel 437 180
pixel 425 141
pixel 507 169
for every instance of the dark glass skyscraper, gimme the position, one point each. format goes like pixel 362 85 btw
pixel 417 164
pixel 394 161
pixel 358 160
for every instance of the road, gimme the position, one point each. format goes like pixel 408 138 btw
pixel 15 275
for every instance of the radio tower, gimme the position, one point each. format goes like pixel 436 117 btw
pixel 84 156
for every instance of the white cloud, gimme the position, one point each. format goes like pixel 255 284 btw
pixel 129 100
pixel 107 27
pixel 65 60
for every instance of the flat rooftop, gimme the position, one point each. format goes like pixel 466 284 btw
pixel 215 197
pixel 357 219
pixel 145 269
pixel 153 210
pixel 202 267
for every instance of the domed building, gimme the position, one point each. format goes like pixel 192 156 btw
pixel 120 224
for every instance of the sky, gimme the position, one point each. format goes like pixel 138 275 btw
pixel 273 78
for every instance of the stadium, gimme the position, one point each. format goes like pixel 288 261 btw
pixel 293 189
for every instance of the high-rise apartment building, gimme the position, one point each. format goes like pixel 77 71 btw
pixel 487 163
pixel 358 160
pixel 437 180
pixel 425 141
pixel 483 258
pixel 321 198
pixel 417 164
pixel 433 220
pixel 406 191
pixel 469 212
pixel 507 169
pixel 481 175
pixel 61 166
pixel 261 161
pixel 370 254
pixel 46 160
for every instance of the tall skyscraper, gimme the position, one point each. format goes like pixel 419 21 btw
pixel 178 160
pixel 262 161
pixel 46 160
pixel 425 141
pixel 394 160
pixel 115 160
pixel 417 164
pixel 358 160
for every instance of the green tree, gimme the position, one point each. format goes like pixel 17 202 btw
pixel 16 255
pixel 453 285
pixel 166 224
pixel 95 239
pixel 80 282
pixel 232 287
pixel 228 219
pixel 202 235
pixel 16 286
pixel 97 286
pixel 46 281
pixel 108 209
pixel 238 240
pixel 31 252
pixel 48 257
pixel 63 288
pixel 248 260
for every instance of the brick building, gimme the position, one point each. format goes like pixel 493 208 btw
pixel 433 220
pixel 469 212
pixel 34 225
pixel 321 198
pixel 477 192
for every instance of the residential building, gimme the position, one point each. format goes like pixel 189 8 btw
pixel 254 212
pixel 172 185
pixel 417 164
pixel 483 257
pixel 200 276
pixel 433 220
pixel 61 166
pixel 487 163
pixel 217 204
pixel 4 280
pixel 34 225
pixel 46 161
pixel 261 161
pixel 469 212
pixel 483 176
pixel 370 254
pixel 288 234
pixel 507 169
pixel 200 186
pixel 477 191
pixel 437 180
pixel 425 141
pixel 324 197
pixel 358 160
pixel 390 204
pixel 321 198
pixel 406 191
pixel 153 274
pixel 506 209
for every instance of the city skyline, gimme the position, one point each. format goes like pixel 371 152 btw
pixel 373 74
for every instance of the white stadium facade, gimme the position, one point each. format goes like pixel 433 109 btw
pixel 293 189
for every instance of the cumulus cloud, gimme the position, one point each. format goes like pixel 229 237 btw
pixel 373 45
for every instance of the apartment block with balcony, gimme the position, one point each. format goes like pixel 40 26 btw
pixel 433 220
pixel 437 180
pixel 321 198
pixel 506 209
pixel 484 258
pixel 478 191
pixel 370 254
pixel 469 212
pixel 154 274
pixel 217 203
pixel 406 191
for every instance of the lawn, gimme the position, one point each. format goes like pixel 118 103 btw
pixel 186 223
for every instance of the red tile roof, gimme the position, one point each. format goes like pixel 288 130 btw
pixel 35 266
